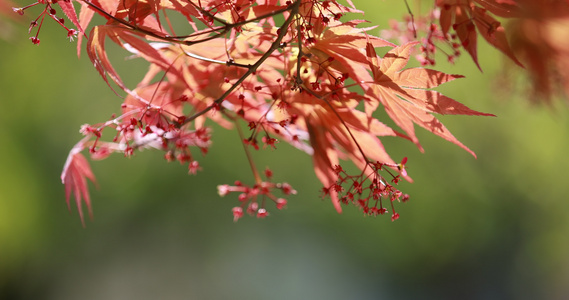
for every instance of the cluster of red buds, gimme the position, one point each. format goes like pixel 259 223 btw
pixel 370 190
pixel 253 198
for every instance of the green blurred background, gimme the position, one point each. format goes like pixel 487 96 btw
pixel 496 227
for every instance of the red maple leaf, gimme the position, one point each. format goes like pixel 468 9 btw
pixel 466 17
pixel 69 11
pixel 75 173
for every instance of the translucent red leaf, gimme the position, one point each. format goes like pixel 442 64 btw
pixel 98 54
pixel 466 32
pixel 85 17
pixel 466 16
pixel 324 159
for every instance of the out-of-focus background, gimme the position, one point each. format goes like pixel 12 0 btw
pixel 496 227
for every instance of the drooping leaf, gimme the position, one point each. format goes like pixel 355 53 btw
pixel 98 54
pixel 493 32
pixel 466 31
pixel 75 173
pixel 468 17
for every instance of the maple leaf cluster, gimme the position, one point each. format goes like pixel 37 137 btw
pixel 291 71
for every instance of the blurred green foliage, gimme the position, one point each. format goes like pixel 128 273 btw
pixel 496 227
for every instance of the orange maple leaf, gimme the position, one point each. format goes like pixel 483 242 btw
pixel 406 95
pixel 339 46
